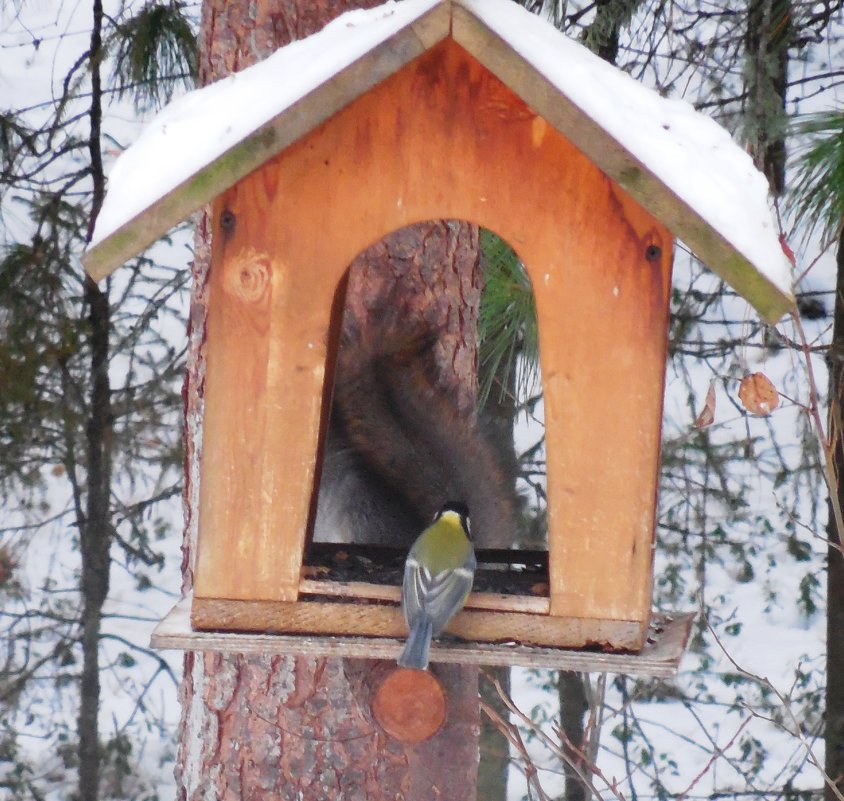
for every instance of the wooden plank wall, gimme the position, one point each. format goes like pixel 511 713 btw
pixel 443 138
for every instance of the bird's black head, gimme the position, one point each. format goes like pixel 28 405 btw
pixel 460 509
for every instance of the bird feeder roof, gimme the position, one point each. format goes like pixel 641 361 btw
pixel 678 164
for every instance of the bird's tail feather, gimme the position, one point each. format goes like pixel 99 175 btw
pixel 415 653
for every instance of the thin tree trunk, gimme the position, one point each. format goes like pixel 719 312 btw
pixel 95 528
pixel 573 708
pixel 603 38
pixel 262 727
pixel 835 560
pixel 768 34
pixel 602 35
pixel 494 767
pixel 494 746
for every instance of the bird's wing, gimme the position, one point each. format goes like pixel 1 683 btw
pixel 443 594
pixel 413 590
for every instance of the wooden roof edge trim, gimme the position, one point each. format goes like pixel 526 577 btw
pixel 723 258
pixel 702 238
pixel 484 44
pixel 284 129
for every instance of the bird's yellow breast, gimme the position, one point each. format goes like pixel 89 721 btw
pixel 444 546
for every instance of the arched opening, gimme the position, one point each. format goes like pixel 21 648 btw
pixel 436 387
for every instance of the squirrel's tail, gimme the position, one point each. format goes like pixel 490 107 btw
pixel 409 432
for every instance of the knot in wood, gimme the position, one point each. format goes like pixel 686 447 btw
pixel 248 276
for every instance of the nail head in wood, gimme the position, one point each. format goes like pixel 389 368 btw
pixel 653 253
pixel 227 221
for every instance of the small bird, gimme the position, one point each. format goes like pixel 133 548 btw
pixel 438 577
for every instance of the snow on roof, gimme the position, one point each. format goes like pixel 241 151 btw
pixel 708 177
pixel 198 127
pixel 689 152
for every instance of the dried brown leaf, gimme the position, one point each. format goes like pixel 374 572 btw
pixel 707 413
pixel 758 395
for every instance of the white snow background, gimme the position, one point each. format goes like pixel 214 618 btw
pixel 138 700
pixel 775 639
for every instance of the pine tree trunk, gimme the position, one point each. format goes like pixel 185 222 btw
pixel 494 747
pixel 835 568
pixel 262 727
pixel 768 34
pixel 604 32
pixel 494 765
pixel 573 709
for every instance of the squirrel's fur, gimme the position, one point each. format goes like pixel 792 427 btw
pixel 398 448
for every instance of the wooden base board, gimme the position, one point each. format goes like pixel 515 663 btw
pixel 660 656
pixel 344 618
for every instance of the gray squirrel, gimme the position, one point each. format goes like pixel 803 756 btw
pixel 398 447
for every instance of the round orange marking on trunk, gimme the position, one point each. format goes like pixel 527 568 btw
pixel 410 705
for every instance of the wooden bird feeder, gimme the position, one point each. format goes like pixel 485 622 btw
pixel 449 112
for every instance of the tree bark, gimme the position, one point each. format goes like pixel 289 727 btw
pixel 95 524
pixel 294 727
pixel 573 708
pixel 835 560
pixel 494 763
pixel 768 34
pixel 435 266
pixel 604 32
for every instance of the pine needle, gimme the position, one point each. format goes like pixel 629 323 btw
pixel 508 332
pixel 154 52
pixel 817 197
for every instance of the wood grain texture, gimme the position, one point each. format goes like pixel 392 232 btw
pixel 410 705
pixel 593 254
pixel 660 656
pixel 384 620
pixel 385 592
